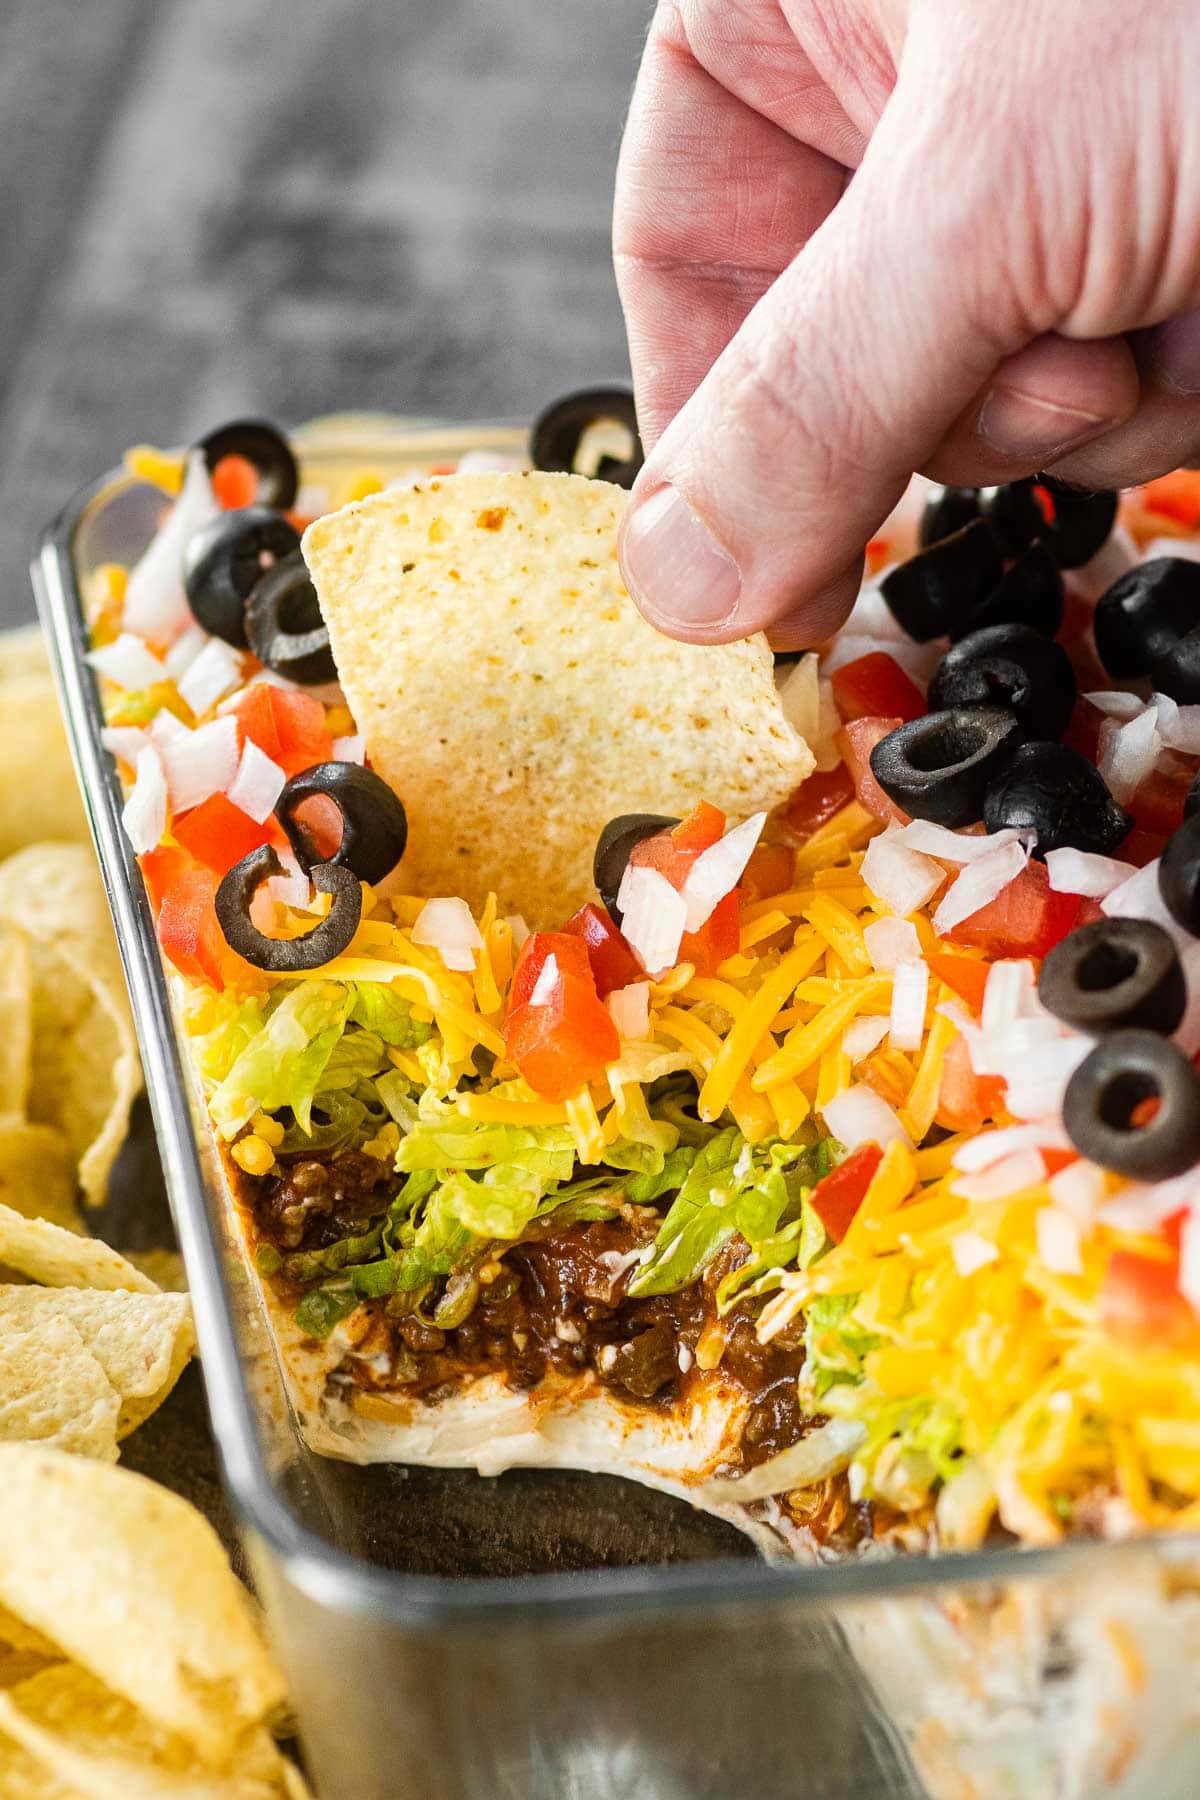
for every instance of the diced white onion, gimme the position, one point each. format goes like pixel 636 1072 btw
pixel 890 941
pixel 1187 548
pixel 1139 898
pixel 971 1252
pixel 201 762
pixel 519 929
pixel 350 749
pixel 155 603
pixel 487 462
pixel 918 661
pixel 1039 1078
pixel 291 889
pixel 910 993
pixel 1023 1169
pixel 185 650
pixel 902 879
pixel 989 1147
pixel 1189 1261
pixel 164 728
pixel 654 917
pixel 1178 726
pixel 872 619
pixel 978 885
pixel 257 784
pixel 629 1010
pixel 127 662
pixel 717 870
pixel 1009 992
pixel 1058 1241
pixel 951 846
pixel 1129 755
pixel 543 989
pixel 858 1115
pixel 1115 555
pixel 213 674
pixel 448 927
pixel 1116 703
pixel 1079 1190
pixel 145 813
pixel 124 741
pixel 1143 1205
pixel 800 695
pixel 825 746
pixel 1084 872
pixel 863 1035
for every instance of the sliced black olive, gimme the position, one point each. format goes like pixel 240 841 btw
pixel 1191 804
pixel 1029 593
pixel 1014 513
pixel 1175 668
pixel 558 433
pixel 937 592
pixel 1115 973
pixel 613 848
pixel 1145 613
pixel 225 560
pixel 287 956
pixel 374 823
pixel 265 446
pixel 284 624
pixel 1081 523
pixel 1012 666
pixel 1056 792
pixel 1179 874
pixel 946 510
pixel 938 767
pixel 1107 1091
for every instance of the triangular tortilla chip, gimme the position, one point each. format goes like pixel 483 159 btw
pixel 61 1259
pixel 514 697
pixel 54 1391
pixel 141 1341
pixel 37 1174
pixel 16 1021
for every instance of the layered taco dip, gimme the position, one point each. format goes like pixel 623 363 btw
pixel 768 1078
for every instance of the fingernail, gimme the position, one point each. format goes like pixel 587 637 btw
pixel 1020 425
pixel 1176 353
pixel 676 571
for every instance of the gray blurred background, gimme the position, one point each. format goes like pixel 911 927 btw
pixel 210 207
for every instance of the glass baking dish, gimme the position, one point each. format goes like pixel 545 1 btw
pixel 550 1636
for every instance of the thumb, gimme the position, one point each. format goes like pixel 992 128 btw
pixel 754 507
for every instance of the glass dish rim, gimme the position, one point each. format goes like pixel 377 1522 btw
pixel 326 1573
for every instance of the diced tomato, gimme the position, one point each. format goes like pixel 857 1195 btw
pixel 182 895
pixel 1027 918
pixel 673 852
pixel 856 742
pixel 288 727
pixel 1140 848
pixel 768 872
pixel 966 977
pixel 1045 500
pixel 1083 729
pixel 816 800
pixel 716 939
pixel 613 963
pixel 218 833
pixel 1055 1160
pixel 565 1040
pixel 235 482
pixel 1157 806
pixel 878 554
pixel 1141 1302
pixel 875 686
pixel 1176 495
pixel 838 1195
pixel 966 1101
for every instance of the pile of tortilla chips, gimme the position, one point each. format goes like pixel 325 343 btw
pixel 131 1661
pixel 89 1345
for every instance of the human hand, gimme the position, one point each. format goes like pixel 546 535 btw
pixel 1026 191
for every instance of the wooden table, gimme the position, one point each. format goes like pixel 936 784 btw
pixel 288 209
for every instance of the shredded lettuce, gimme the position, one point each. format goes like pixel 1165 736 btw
pixel 320 1311
pixel 285 1061
pixel 376 1007
pixel 834 1344
pixel 445 1139
pixel 795 1245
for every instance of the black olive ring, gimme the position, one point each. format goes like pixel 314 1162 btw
pixel 287 956
pixel 557 434
pixel 225 560
pixel 616 842
pixel 937 592
pixel 1113 1081
pixel 265 446
pixel 938 767
pixel 1179 873
pixel 374 822
pixel 1113 974
pixel 1060 796
pixel 1013 666
pixel 284 624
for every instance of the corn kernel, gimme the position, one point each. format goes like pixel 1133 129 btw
pixel 164 469
pixel 251 1154
pixel 339 721
pixel 384 1145
pixel 364 484
pixel 268 1129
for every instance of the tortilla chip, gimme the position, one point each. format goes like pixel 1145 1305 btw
pixel 61 1259
pixel 97 1744
pixel 39 796
pixel 54 1391
pixel 16 1022
pixel 37 1174
pixel 514 697
pixel 130 1582
pixel 164 1267
pixel 141 1341
pixel 86 1073
pixel 54 890
pixel 23 652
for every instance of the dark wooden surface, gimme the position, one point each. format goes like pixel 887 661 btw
pixel 293 208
